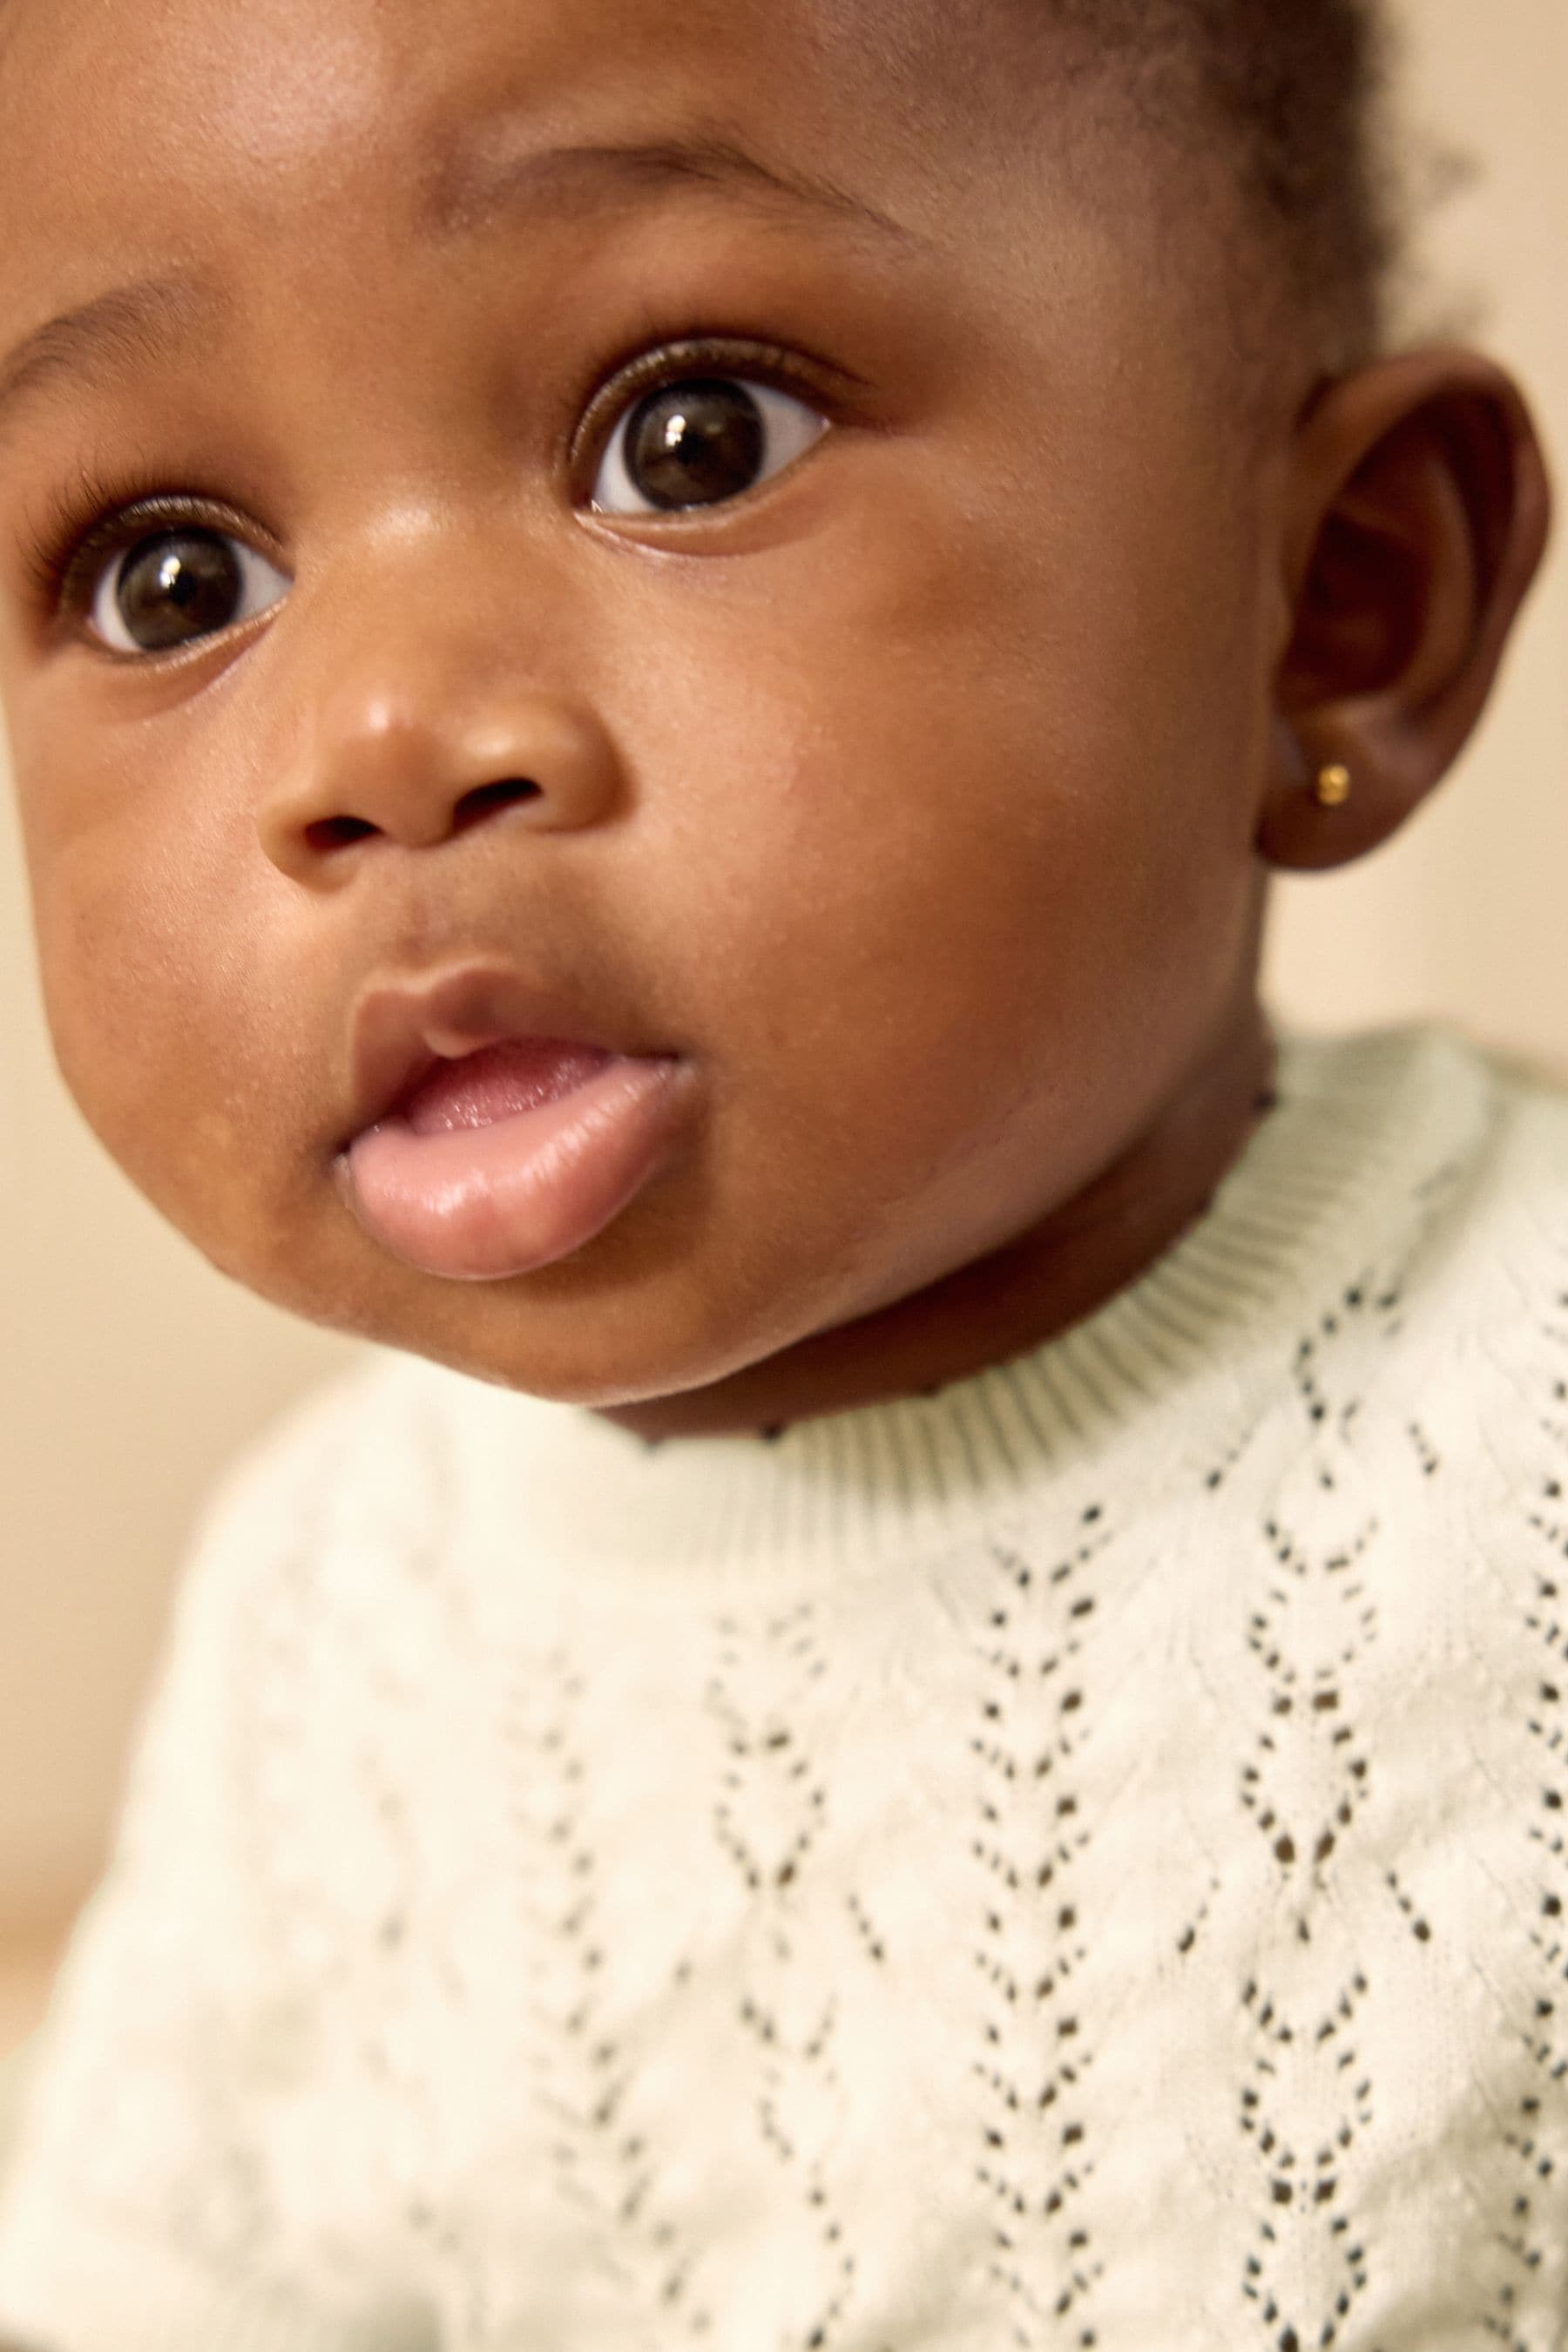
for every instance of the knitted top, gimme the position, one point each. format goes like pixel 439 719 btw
pixel 1074 1861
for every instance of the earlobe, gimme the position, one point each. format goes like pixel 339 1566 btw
pixel 1417 515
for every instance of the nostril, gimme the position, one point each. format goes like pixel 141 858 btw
pixel 326 833
pixel 337 832
pixel 486 799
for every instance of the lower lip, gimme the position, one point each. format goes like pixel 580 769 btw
pixel 484 1203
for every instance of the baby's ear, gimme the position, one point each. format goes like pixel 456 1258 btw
pixel 1418 509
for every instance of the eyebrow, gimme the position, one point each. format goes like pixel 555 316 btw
pixel 129 324
pixel 467 191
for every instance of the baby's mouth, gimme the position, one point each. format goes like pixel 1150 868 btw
pixel 507 1159
pixel 497 1161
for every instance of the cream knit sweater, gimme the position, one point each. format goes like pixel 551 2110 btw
pixel 1075 1861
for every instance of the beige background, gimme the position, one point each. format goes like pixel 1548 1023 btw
pixel 131 1370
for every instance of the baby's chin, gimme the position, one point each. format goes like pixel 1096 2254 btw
pixel 685 1288
pixel 628 1320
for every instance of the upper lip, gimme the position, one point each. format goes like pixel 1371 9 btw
pixel 402 1028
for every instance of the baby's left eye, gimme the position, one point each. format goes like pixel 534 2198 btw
pixel 173 586
pixel 701 441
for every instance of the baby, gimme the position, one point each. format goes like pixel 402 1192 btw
pixel 657 658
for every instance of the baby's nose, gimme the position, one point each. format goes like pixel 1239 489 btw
pixel 414 763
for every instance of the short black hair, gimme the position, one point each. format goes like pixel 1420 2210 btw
pixel 1298 86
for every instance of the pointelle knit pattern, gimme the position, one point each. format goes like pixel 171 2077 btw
pixel 1072 1860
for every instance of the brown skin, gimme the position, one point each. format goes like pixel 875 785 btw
pixel 924 797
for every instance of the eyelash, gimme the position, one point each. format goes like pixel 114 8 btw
pixel 67 546
pixel 95 518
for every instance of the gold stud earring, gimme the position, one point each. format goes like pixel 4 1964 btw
pixel 1332 789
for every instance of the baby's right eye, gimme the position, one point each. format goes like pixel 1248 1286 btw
pixel 174 587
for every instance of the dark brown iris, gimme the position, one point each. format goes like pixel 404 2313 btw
pixel 179 587
pixel 693 443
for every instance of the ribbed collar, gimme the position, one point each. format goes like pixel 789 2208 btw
pixel 1359 1123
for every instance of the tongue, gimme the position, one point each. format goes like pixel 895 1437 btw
pixel 498 1082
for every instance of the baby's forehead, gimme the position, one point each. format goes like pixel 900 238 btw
pixel 276 80
pixel 108 109
pixel 179 141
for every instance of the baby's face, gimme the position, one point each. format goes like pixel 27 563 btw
pixel 857 749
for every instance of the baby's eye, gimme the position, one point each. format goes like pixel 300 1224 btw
pixel 176 586
pixel 701 441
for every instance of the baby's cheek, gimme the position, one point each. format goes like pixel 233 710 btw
pixel 159 1038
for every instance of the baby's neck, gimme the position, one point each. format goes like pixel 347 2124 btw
pixel 1003 1305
